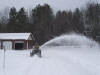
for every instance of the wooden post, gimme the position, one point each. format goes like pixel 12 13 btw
pixel 4 58
pixel 13 44
pixel 27 44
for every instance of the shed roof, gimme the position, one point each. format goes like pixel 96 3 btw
pixel 14 36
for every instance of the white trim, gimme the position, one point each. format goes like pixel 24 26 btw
pixel 19 41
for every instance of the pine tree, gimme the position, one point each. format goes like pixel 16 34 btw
pixel 93 18
pixel 0 28
pixel 78 22
pixel 22 21
pixel 63 22
pixel 42 22
pixel 12 23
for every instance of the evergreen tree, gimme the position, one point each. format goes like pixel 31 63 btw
pixel 78 22
pixel 93 18
pixel 22 21
pixel 0 28
pixel 63 22
pixel 96 31
pixel 12 23
pixel 42 22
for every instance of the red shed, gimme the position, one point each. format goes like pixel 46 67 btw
pixel 16 41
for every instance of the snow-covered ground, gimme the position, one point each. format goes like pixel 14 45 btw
pixel 56 60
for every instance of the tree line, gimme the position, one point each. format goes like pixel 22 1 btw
pixel 45 25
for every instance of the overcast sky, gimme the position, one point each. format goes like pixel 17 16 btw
pixel 55 4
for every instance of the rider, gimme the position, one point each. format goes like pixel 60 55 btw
pixel 36 48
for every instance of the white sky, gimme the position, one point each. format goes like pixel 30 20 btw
pixel 55 4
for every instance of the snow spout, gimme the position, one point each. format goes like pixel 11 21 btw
pixel 71 40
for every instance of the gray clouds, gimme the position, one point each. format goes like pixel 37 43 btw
pixel 55 4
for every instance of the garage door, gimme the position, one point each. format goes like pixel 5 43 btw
pixel 7 45
pixel 19 45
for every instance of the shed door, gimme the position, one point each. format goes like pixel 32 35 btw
pixel 19 45
pixel 7 45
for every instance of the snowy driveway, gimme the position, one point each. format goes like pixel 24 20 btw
pixel 55 61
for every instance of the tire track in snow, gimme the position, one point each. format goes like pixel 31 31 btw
pixel 54 65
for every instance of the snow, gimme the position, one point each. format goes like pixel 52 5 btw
pixel 74 40
pixel 9 36
pixel 56 60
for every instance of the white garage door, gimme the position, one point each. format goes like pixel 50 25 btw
pixel 7 45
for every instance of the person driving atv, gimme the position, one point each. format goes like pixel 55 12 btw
pixel 36 50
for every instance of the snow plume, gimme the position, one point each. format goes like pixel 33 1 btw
pixel 71 40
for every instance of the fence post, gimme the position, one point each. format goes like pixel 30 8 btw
pixel 4 59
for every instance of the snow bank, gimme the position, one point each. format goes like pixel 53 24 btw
pixel 72 40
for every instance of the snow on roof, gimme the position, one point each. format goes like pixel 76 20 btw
pixel 14 36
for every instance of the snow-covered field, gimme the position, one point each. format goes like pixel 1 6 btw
pixel 56 60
